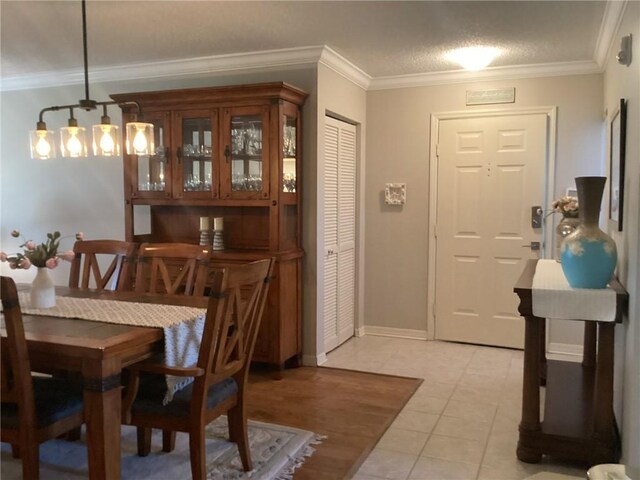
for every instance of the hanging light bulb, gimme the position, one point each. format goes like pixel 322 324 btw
pixel 42 142
pixel 140 138
pixel 72 139
pixel 106 138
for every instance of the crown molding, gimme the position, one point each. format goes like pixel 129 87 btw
pixel 613 13
pixel 336 62
pixel 312 56
pixel 494 73
pixel 174 68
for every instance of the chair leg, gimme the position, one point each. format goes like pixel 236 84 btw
pixel 237 419
pixel 144 441
pixel 15 450
pixel 198 455
pixel 31 461
pixel 168 440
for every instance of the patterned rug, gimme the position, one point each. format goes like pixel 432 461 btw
pixel 276 451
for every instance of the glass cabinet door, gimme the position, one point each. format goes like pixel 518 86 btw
pixel 289 155
pixel 246 151
pixel 197 139
pixel 151 174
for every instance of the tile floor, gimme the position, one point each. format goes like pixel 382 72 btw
pixel 462 423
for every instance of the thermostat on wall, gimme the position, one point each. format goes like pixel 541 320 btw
pixel 395 193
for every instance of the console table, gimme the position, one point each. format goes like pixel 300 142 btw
pixel 578 419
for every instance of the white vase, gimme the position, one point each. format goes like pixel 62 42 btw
pixel 43 291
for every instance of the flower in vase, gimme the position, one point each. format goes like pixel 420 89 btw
pixel 43 255
pixel 567 205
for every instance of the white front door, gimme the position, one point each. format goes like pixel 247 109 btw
pixel 339 232
pixel 491 172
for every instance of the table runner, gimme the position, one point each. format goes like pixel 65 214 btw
pixel 182 326
pixel 552 297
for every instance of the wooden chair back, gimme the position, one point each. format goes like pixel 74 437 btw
pixel 236 303
pixel 17 387
pixel 88 274
pixel 24 425
pixel 172 268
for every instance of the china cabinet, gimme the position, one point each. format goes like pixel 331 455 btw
pixel 230 152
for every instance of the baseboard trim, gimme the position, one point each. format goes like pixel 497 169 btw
pixel 314 360
pixel 567 352
pixel 360 332
pixel 395 332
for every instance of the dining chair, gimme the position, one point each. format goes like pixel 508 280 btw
pixel 172 268
pixel 236 303
pixel 88 274
pixel 34 409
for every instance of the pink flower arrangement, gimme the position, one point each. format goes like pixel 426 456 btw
pixel 43 255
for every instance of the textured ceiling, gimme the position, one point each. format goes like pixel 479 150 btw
pixel 382 38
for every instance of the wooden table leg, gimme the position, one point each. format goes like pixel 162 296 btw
pixel 530 422
pixel 102 404
pixel 603 404
pixel 589 352
pixel 543 351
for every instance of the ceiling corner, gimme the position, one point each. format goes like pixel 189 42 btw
pixel 336 62
pixel 614 10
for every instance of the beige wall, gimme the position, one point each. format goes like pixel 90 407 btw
pixel 624 82
pixel 342 98
pixel 398 151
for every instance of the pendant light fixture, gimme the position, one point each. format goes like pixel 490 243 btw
pixel 106 138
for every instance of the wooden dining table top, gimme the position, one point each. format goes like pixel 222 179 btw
pixel 89 337
pixel 99 351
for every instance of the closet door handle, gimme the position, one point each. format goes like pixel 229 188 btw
pixel 179 155
pixel 227 153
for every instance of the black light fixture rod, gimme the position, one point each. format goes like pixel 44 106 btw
pixel 84 45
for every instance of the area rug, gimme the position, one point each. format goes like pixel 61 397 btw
pixel 276 451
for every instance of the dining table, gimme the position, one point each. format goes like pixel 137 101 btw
pixel 99 351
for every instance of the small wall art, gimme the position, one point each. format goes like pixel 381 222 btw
pixel 395 193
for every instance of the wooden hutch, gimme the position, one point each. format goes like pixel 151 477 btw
pixel 230 152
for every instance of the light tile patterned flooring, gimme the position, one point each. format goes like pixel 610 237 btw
pixel 461 424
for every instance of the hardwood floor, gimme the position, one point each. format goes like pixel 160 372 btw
pixel 353 409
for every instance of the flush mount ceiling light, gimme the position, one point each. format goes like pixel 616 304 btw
pixel 474 58
pixel 106 138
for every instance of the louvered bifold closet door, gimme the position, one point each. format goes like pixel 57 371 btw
pixel 339 232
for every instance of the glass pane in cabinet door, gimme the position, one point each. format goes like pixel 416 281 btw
pixel 196 151
pixel 246 153
pixel 152 168
pixel 289 155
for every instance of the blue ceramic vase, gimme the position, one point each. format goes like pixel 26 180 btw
pixel 588 255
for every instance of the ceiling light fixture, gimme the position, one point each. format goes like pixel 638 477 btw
pixel 474 58
pixel 106 138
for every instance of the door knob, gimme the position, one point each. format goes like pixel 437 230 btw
pixel 535 246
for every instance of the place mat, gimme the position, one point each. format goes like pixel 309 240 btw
pixel 182 326
pixel 552 297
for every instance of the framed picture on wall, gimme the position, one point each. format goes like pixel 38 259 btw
pixel 616 173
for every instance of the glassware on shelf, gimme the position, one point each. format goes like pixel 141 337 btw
pixel 289 141
pixel 243 183
pixel 289 183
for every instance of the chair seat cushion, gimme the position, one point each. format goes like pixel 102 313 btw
pixel 55 399
pixel 153 387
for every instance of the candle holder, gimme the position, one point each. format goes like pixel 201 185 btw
pixel 218 240
pixel 204 238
